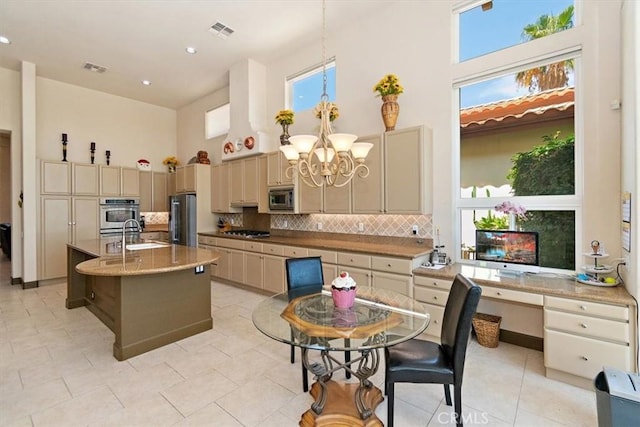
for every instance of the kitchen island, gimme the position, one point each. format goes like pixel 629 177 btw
pixel 147 297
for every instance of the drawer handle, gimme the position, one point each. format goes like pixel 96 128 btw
pixel 584 358
pixel 436 321
pixel 584 325
pixel 499 293
pixel 435 284
pixel 351 260
pixel 583 307
pixel 388 265
pixel 435 298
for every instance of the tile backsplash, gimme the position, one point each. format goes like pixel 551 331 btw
pixel 155 217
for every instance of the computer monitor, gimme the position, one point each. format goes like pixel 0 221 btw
pixel 511 252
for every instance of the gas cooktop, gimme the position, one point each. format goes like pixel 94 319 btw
pixel 249 234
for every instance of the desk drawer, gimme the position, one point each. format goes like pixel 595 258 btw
pixel 253 246
pixel 354 260
pixel 582 356
pixel 270 249
pixel 430 282
pixel 391 265
pixel 436 314
pixel 431 296
pixel 587 325
pixel 231 243
pixel 328 257
pixel 509 295
pixel 588 308
pixel 295 252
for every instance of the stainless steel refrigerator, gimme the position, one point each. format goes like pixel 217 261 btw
pixel 182 220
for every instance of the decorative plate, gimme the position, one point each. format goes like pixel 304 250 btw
pixel 144 165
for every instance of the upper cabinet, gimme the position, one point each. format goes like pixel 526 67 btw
pixel 85 179
pixel 186 178
pixel 244 182
pixel 130 182
pixel 277 165
pixel 146 191
pixel 55 177
pixel 153 192
pixel 407 171
pixel 367 193
pixel 117 181
pixel 220 178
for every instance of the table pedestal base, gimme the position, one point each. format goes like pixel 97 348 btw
pixel 340 408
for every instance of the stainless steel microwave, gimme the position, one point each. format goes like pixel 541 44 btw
pixel 281 199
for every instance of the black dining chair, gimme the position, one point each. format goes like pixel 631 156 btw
pixel 304 277
pixel 419 361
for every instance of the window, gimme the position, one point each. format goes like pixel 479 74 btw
pixel 217 121
pixel 498 24
pixel 304 89
pixel 517 144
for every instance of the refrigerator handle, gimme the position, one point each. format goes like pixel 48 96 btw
pixel 173 220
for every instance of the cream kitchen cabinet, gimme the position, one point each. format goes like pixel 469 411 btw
pixel 206 242
pixel 408 171
pixel 130 179
pixel 220 178
pixel 367 193
pixel 274 275
pixel 309 199
pixel 186 179
pixel 580 337
pixel 85 179
pixel 263 190
pixel 117 181
pixel 63 220
pixel 434 293
pixel 244 182
pixel 337 200
pixel 55 177
pixel 254 269
pixel 329 263
pixel 277 165
pixel 153 192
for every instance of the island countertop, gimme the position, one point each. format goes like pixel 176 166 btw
pixel 111 261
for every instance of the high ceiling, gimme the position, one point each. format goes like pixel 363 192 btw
pixel 146 39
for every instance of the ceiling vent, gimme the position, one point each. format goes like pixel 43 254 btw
pixel 94 68
pixel 220 30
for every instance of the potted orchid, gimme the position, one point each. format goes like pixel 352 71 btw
pixel 513 210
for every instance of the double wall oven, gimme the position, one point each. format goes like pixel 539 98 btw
pixel 115 211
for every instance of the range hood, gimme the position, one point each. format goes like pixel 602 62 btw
pixel 248 103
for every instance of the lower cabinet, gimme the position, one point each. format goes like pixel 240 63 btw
pixel 434 293
pixel 236 261
pixel 253 266
pixel 224 264
pixel 274 276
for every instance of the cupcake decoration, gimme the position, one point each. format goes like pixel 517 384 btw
pixel 343 290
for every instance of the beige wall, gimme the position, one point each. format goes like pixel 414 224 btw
pixel 5 177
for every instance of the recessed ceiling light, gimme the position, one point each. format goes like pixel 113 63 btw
pixel 146 82
pixel 191 50
pixel 4 40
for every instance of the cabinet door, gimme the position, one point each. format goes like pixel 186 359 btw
pixel 392 282
pixel 55 233
pixel 109 180
pixel 190 179
pixel 146 191
pixel 274 274
pixel 160 196
pixel 253 263
pixel 309 198
pixel 216 188
pixel 86 218
pixel 284 165
pixel 224 263
pixel 329 272
pixel 250 176
pixel 367 193
pixel 180 184
pixel 263 192
pixel 360 275
pixel 337 199
pixel 130 182
pixel 172 185
pixel 237 266
pixel 273 168
pixel 55 177
pixel 237 182
pixel 405 174
pixel 85 179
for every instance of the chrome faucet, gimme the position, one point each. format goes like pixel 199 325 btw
pixel 124 230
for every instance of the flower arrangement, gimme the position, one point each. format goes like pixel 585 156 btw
pixel 389 85
pixel 284 117
pixel 512 209
pixel 332 108
pixel 170 161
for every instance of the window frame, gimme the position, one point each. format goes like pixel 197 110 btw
pixel 212 111
pixel 556 47
pixel 304 74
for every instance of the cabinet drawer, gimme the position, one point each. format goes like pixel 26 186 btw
pixel 509 295
pixel 436 314
pixel 582 356
pixel 273 249
pixel 587 325
pixel 430 282
pixel 329 257
pixel 295 252
pixel 392 265
pixel 354 260
pixel 207 240
pixel 253 246
pixel 230 243
pixel 151 235
pixel 430 295
pixel 588 308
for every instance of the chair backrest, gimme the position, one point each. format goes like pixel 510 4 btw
pixel 304 276
pixel 456 323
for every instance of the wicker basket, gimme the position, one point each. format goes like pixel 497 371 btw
pixel 487 328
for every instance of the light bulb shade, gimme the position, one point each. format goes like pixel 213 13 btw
pixel 320 153
pixel 342 142
pixel 290 152
pixel 361 149
pixel 303 143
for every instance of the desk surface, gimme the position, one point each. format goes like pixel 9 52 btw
pixel 379 318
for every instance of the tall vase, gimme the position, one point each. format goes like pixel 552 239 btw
pixel 284 138
pixel 390 110
pixel 512 222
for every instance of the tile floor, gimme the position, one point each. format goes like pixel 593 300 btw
pixel 56 369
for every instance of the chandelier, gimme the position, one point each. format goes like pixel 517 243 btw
pixel 329 159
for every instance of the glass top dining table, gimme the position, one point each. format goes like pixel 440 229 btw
pixel 379 318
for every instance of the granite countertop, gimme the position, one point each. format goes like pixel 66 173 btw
pixel 111 261
pixel 371 245
pixel 541 283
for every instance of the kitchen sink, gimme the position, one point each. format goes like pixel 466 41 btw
pixel 147 245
